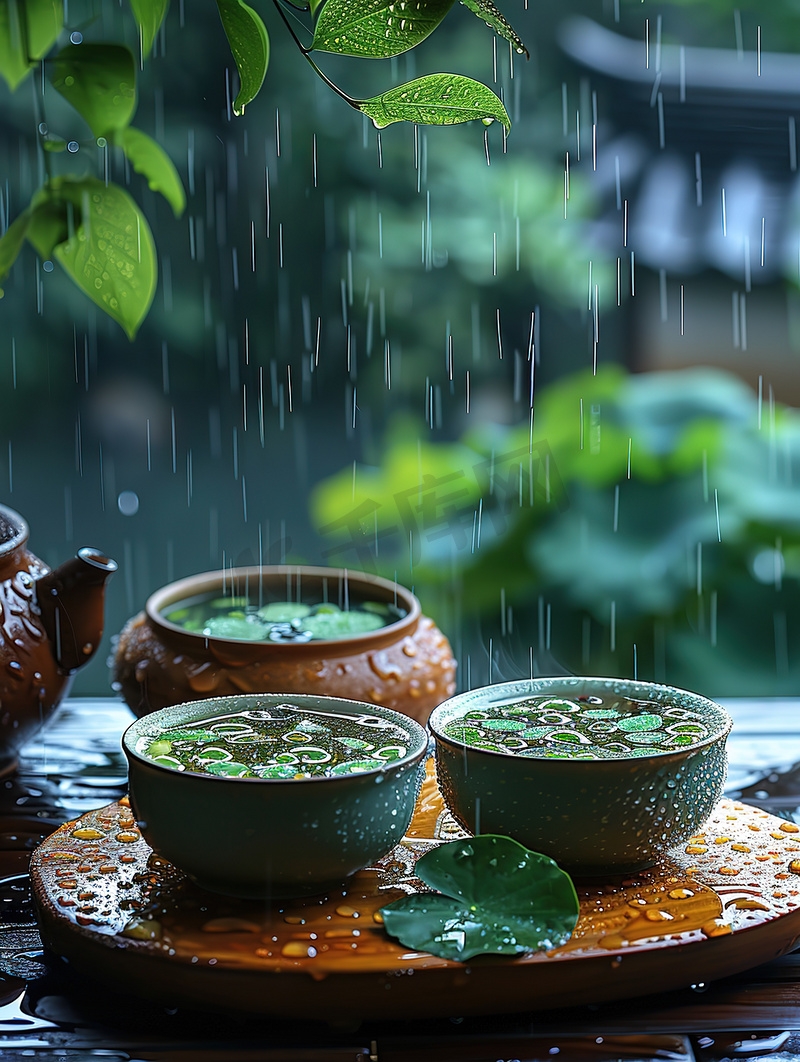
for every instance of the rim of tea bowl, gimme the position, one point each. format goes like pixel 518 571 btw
pixel 295 575
pixel 271 837
pixel 594 817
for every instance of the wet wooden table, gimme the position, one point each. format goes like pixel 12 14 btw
pixel 47 1010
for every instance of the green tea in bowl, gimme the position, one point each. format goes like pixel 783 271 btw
pixel 284 741
pixel 587 727
pixel 600 774
pixel 267 795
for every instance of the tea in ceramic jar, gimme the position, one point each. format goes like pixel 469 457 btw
pixel 586 728
pixel 246 619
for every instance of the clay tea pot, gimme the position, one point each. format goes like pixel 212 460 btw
pixel 51 623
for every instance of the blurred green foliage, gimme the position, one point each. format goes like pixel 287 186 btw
pixel 649 521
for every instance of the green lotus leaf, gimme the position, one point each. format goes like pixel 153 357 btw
pixel 494 897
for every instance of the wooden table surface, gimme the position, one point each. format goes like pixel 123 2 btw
pixel 46 1010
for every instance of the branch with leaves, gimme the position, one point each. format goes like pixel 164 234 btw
pixel 92 227
pixel 374 29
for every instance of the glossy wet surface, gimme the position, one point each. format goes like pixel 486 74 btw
pixel 47 1011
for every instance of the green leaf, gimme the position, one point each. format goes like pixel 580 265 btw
pixel 99 81
pixel 496 20
pixel 149 15
pixel 52 220
pixel 149 158
pixel 22 43
pixel 495 897
pixel 11 243
pixel 249 43
pixel 438 99
pixel 376 29
pixel 313 5
pixel 110 253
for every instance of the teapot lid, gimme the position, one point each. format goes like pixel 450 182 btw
pixel 13 531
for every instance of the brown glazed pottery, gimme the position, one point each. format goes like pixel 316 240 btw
pixel 407 665
pixel 51 623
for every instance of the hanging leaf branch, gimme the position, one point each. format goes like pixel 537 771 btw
pixel 94 229
pixel 382 29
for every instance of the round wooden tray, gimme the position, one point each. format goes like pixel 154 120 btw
pixel 727 900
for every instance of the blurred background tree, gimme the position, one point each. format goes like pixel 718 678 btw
pixel 646 523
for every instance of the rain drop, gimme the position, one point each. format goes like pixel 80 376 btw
pixel 128 502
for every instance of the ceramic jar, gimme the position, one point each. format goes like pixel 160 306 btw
pixel 407 665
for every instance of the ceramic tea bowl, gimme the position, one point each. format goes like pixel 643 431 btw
pixel 274 836
pixel 406 665
pixel 592 815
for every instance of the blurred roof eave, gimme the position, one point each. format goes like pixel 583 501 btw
pixel 762 77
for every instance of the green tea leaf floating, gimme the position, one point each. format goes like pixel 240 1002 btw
pixel 376 29
pixel 283 611
pixel 235 627
pixel 648 721
pixel 496 20
pixel 341 624
pixel 438 99
pixel 249 44
pixel 494 897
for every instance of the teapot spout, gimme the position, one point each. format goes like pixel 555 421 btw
pixel 70 600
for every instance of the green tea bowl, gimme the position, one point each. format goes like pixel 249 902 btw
pixel 268 837
pixel 593 816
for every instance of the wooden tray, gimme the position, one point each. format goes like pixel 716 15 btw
pixel 727 900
